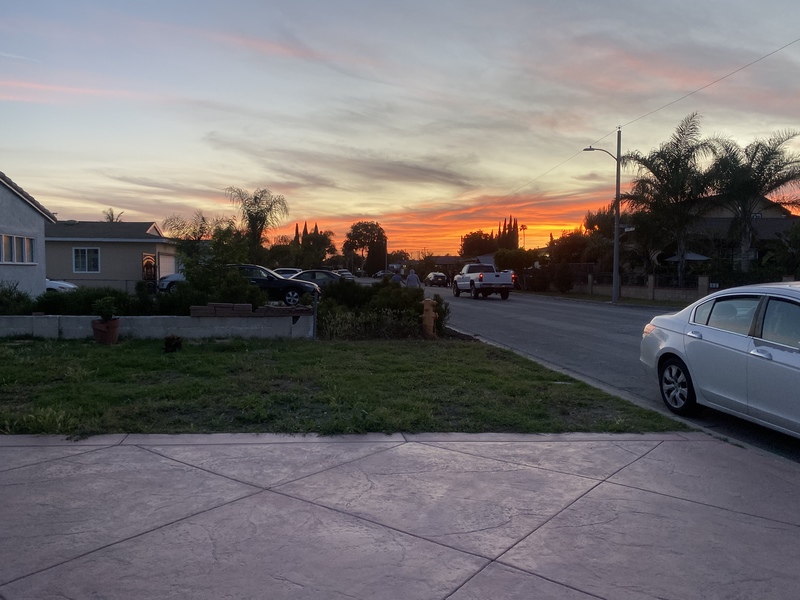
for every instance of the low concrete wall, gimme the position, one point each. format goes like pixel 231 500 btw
pixel 72 327
pixel 650 291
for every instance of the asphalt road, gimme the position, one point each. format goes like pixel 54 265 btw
pixel 597 343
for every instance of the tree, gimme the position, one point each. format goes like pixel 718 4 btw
pixel 260 212
pixel 110 217
pixel 205 246
pixel 569 248
pixel 743 177
pixel 478 243
pixel 671 184
pixel 315 247
pixel 367 235
pixel 398 257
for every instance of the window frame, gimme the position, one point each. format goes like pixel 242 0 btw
pixel 86 250
pixel 17 249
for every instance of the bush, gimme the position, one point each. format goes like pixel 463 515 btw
pixel 13 301
pixel 81 301
pixel 380 311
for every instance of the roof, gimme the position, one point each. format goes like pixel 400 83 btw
pixel 6 180
pixel 105 231
pixel 764 228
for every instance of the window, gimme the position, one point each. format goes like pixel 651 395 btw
pixel 782 323
pixel 17 249
pixel 734 314
pixel 86 260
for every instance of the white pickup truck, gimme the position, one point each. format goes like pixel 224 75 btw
pixel 481 280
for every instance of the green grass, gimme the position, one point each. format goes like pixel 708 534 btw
pixel 79 388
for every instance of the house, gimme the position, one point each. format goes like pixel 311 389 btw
pixel 108 254
pixel 768 219
pixel 22 238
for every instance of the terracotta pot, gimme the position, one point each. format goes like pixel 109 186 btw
pixel 106 332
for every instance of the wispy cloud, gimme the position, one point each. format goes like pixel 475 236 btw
pixel 10 56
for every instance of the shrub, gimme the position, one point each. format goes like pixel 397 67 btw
pixel 383 310
pixel 13 301
pixel 105 307
pixel 81 301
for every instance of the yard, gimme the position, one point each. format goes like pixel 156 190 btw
pixel 80 388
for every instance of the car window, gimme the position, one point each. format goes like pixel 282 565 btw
pixel 782 323
pixel 734 314
pixel 701 313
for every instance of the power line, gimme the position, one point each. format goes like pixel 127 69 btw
pixel 652 112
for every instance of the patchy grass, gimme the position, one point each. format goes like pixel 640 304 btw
pixel 80 388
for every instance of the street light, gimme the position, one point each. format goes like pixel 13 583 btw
pixel 615 272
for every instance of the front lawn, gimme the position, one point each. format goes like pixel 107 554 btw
pixel 80 388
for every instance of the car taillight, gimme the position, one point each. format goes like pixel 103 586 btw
pixel 480 276
pixel 648 329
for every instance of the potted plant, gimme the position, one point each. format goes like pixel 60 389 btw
pixel 106 328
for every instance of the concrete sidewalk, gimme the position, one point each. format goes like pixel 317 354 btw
pixel 513 517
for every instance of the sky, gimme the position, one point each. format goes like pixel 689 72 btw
pixel 435 118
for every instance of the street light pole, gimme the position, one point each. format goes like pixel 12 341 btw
pixel 615 269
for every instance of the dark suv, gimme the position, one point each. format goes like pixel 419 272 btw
pixel 279 288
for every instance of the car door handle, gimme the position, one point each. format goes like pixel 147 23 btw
pixel 695 334
pixel 761 353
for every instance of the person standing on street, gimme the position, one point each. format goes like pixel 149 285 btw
pixel 412 280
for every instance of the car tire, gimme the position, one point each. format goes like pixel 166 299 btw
pixel 172 288
pixel 677 389
pixel 504 295
pixel 456 291
pixel 475 293
pixel 291 297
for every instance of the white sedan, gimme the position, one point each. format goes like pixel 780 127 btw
pixel 736 350
pixel 59 286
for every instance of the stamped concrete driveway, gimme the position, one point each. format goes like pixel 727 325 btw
pixel 569 517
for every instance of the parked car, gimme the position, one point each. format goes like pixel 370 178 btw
pixel 169 283
pixel 318 276
pixel 288 291
pixel 383 273
pixel 55 285
pixel 435 279
pixel 287 271
pixel 346 274
pixel 736 350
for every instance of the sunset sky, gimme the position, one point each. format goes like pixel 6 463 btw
pixel 433 117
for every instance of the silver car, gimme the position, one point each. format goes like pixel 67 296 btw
pixel 736 350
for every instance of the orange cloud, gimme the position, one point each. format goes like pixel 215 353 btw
pixel 438 229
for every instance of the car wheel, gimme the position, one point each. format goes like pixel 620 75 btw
pixel 504 294
pixel 475 293
pixel 456 291
pixel 291 297
pixel 172 288
pixel 676 386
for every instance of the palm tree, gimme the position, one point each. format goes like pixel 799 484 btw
pixel 743 177
pixel 111 216
pixel 260 211
pixel 671 184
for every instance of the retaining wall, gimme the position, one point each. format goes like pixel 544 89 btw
pixel 72 327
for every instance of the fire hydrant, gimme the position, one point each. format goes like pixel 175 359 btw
pixel 429 317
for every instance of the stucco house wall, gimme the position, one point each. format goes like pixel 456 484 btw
pixel 22 245
pixel 119 249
